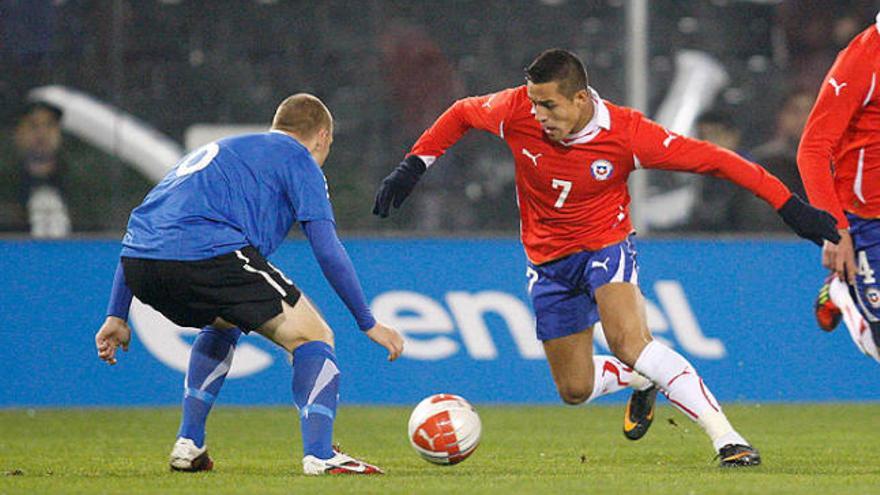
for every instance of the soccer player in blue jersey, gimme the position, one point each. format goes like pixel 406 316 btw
pixel 196 249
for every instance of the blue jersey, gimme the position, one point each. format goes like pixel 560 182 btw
pixel 239 191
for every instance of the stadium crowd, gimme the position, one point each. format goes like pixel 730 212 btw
pixel 168 63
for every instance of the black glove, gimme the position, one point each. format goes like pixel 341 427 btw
pixel 397 186
pixel 808 222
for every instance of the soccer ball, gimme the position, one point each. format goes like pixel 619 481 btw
pixel 444 429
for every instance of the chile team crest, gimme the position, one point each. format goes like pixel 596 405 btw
pixel 873 296
pixel 601 169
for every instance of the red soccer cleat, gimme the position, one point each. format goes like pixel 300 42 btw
pixel 827 313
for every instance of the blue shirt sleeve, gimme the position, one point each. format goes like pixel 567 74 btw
pixel 307 190
pixel 338 270
pixel 120 295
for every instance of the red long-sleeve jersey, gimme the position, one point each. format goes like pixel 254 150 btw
pixel 572 195
pixel 839 154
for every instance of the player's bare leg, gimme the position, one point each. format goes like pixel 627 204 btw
pixel 301 330
pixel 296 325
pixel 580 376
pixel 622 310
pixel 571 364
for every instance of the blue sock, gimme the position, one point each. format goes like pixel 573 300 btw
pixel 316 391
pixel 209 363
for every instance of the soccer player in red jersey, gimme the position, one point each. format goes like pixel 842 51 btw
pixel 839 162
pixel 573 153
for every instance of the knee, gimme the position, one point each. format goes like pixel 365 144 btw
pixel 574 395
pixel 296 344
pixel 325 337
pixel 627 346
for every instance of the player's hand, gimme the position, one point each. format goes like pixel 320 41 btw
pixel 112 334
pixel 388 338
pixel 808 222
pixel 398 185
pixel 840 257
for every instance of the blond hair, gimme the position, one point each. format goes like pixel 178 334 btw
pixel 302 114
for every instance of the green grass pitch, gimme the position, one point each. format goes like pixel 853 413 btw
pixel 554 449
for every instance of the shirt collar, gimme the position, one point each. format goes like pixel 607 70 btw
pixel 601 120
pixel 877 22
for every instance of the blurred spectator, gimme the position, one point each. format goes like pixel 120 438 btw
pixel 389 79
pixel 421 83
pixel 815 30
pixel 41 195
pixel 54 184
pixel 717 198
pixel 718 127
pixel 779 156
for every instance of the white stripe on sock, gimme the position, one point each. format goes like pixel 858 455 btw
pixel 328 372
pixel 221 370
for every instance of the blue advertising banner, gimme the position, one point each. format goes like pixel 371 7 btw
pixel 740 311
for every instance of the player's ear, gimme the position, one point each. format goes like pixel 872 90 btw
pixel 581 97
pixel 326 136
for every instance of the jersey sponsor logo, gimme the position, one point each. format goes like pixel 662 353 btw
pixel 601 264
pixel 872 294
pixel 838 87
pixel 463 322
pixel 601 169
pixel 460 322
pixel 669 138
pixel 488 103
pixel 533 158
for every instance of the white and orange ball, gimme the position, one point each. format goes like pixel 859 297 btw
pixel 444 429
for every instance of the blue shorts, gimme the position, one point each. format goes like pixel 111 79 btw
pixel 563 291
pixel 866 244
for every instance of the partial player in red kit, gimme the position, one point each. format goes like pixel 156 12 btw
pixel 573 153
pixel 839 162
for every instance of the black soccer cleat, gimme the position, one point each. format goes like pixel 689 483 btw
pixel 639 413
pixel 735 455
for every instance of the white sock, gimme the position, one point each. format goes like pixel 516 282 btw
pixel 686 391
pixel 859 331
pixel 611 375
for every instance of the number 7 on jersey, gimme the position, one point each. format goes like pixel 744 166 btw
pixel 563 194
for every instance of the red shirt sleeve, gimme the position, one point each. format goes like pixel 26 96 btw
pixel 842 94
pixel 486 112
pixel 657 148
